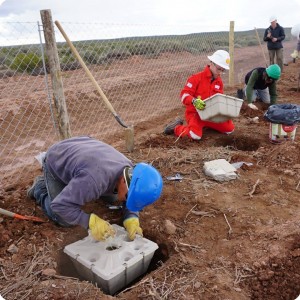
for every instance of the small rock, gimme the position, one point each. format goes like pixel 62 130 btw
pixel 289 172
pixel 197 285
pixel 170 227
pixel 13 249
pixel 48 272
pixel 254 120
pixel 46 283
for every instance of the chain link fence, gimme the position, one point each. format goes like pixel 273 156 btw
pixel 140 69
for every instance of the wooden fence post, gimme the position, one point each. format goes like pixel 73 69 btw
pixel 231 53
pixel 55 72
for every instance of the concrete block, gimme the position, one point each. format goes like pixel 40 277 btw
pixel 114 263
pixel 220 170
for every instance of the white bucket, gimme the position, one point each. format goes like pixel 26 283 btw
pixel 279 133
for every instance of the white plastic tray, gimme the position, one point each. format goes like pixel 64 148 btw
pixel 220 108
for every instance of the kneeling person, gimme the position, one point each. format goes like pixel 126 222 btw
pixel 260 83
pixel 81 169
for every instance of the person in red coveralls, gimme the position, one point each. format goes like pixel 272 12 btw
pixel 199 87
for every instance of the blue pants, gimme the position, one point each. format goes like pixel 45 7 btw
pixel 263 95
pixel 45 191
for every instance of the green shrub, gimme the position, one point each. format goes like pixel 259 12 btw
pixel 26 62
pixel 142 48
pixel 252 43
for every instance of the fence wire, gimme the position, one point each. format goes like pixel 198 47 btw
pixel 140 73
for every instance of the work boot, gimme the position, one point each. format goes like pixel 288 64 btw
pixel 240 94
pixel 30 190
pixel 171 126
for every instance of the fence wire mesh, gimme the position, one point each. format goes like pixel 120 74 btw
pixel 141 74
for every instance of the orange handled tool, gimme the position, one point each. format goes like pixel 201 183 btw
pixel 20 217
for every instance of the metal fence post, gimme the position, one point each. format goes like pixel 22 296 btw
pixel 55 72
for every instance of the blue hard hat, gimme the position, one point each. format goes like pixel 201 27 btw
pixel 145 186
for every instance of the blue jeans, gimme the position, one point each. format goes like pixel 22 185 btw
pixel 45 191
pixel 263 95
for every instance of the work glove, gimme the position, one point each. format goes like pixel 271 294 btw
pixel 132 226
pixel 252 106
pixel 198 103
pixel 100 229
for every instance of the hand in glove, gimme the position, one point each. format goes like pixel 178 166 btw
pixel 294 54
pixel 252 106
pixel 198 103
pixel 100 229
pixel 132 226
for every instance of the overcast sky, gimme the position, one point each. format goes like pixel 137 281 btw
pixel 177 16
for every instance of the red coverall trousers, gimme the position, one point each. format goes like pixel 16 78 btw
pixel 195 125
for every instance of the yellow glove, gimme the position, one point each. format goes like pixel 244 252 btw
pixel 100 229
pixel 199 103
pixel 132 226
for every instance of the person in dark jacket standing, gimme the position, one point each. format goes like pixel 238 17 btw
pixel 260 83
pixel 274 35
pixel 81 169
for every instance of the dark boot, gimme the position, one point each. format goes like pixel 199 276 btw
pixel 171 126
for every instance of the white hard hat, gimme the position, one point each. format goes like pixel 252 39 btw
pixel 272 19
pixel 220 58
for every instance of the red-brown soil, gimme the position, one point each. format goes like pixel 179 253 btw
pixel 234 240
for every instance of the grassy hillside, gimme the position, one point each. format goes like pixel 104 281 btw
pixel 28 58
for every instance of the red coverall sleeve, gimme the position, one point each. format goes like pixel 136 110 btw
pixel 188 93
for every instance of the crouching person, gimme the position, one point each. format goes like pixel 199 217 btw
pixel 81 169
pixel 260 84
pixel 199 87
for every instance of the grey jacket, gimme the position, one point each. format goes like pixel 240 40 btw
pixel 89 169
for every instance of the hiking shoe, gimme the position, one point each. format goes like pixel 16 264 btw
pixel 171 126
pixel 30 190
pixel 240 93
